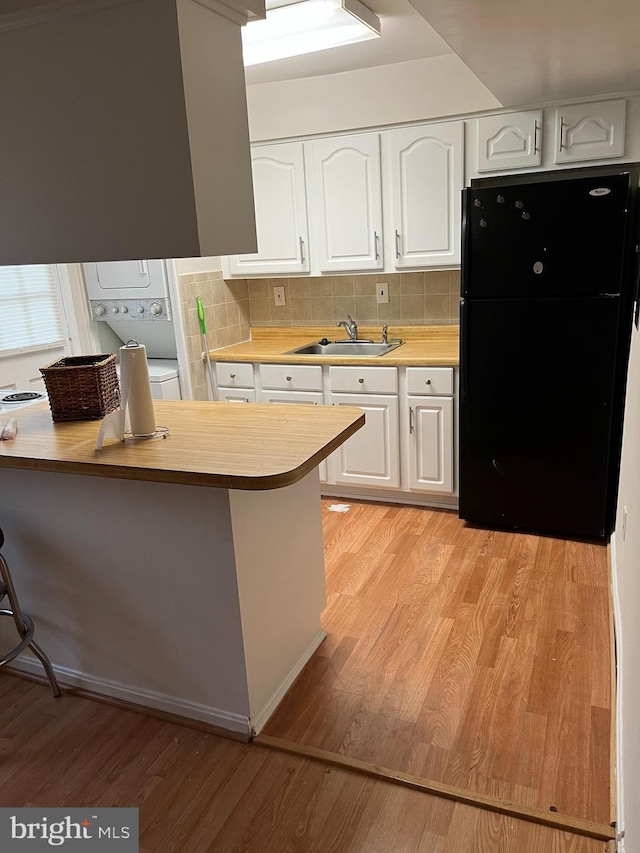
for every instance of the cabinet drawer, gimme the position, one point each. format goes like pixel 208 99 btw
pixel 369 380
pixel 430 380
pixel 234 375
pixel 291 377
pixel 239 395
pixel 304 398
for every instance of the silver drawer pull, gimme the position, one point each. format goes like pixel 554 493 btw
pixel 288 378
pixel 232 376
pixel 427 382
pixel 361 381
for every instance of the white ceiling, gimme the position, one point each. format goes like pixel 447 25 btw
pixel 524 51
pixel 528 51
pixel 405 35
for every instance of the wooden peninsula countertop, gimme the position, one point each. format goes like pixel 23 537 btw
pixel 252 447
pixel 427 346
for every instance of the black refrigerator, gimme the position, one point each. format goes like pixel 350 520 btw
pixel 548 285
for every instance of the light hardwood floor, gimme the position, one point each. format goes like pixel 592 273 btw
pixel 476 658
pixel 199 793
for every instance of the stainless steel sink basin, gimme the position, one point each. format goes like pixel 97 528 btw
pixel 342 348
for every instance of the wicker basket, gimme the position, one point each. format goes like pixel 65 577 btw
pixel 82 387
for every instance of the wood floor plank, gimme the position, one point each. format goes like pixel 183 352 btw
pixel 494 645
pixel 201 793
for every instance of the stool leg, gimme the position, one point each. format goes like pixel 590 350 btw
pixel 21 626
pixel 46 663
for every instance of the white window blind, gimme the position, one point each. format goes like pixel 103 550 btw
pixel 30 313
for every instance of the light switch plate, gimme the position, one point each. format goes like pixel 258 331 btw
pixel 278 296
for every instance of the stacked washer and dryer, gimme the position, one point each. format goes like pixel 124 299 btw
pixel 132 298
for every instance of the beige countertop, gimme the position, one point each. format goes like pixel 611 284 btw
pixel 423 345
pixel 253 446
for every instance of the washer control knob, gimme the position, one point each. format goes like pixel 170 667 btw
pixel 140 309
pixel 124 309
pixel 115 310
pixel 156 309
pixel 100 310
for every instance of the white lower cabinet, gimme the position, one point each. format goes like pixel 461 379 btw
pixel 293 375
pixel 370 457
pixel 429 444
pixel 407 443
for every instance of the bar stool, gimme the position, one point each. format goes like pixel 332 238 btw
pixel 24 624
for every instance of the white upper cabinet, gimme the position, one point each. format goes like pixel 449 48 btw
pixel 425 174
pixel 590 131
pixel 346 202
pixel 509 141
pixel 281 213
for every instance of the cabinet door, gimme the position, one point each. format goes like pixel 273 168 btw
pixel 281 212
pixel 347 202
pixel 371 456
pixel 509 141
pixel 425 165
pixel 590 131
pixel 431 444
pixel 236 395
pixel 314 398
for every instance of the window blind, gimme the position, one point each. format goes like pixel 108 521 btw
pixel 30 313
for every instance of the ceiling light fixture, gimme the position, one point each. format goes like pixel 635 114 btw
pixel 306 27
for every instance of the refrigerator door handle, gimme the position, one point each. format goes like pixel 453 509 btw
pixel 466 240
pixel 464 319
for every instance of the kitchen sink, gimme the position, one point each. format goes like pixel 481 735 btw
pixel 342 348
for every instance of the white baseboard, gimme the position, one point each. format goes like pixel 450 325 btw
pixel 136 696
pixel 615 593
pixel 390 496
pixel 262 717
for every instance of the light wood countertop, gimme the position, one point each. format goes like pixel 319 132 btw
pixel 423 346
pixel 251 446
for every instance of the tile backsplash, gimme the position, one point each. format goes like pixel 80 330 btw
pixel 226 308
pixel 415 298
pixel 233 306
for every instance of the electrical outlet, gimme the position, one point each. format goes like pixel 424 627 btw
pixel 278 296
pixel 382 292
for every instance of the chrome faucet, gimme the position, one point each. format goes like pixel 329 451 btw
pixel 385 334
pixel 350 327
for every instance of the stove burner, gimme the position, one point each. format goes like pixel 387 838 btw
pixel 21 397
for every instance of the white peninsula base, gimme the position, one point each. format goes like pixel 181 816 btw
pixel 201 602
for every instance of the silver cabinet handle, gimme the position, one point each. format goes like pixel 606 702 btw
pixel 536 146
pixel 410 420
pixel 232 376
pixel 361 381
pixel 375 240
pixel 301 250
pixel 427 382
pixel 397 244
pixel 288 378
pixel 562 126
